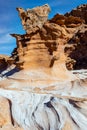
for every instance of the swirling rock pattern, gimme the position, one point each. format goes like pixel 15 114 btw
pixel 43 104
pixel 37 92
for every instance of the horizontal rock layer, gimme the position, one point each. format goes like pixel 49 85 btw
pixel 37 92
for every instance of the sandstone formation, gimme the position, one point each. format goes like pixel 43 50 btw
pixel 80 11
pixel 68 21
pixel 37 91
pixel 77 49
pixel 33 19
pixel 76 45
pixel 31 48
pixel 3 62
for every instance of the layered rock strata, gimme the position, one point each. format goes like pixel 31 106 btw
pixel 37 91
pixel 80 11
pixel 42 47
pixel 77 48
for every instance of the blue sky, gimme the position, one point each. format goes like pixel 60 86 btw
pixel 10 22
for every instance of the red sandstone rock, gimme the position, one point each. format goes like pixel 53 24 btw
pixel 33 19
pixel 44 85
pixel 77 49
pixel 80 11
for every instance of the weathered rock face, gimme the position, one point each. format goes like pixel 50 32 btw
pixel 3 62
pixel 48 40
pixel 42 48
pixel 33 19
pixel 68 21
pixel 38 92
pixel 6 119
pixel 5 114
pixel 77 49
pixel 80 11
